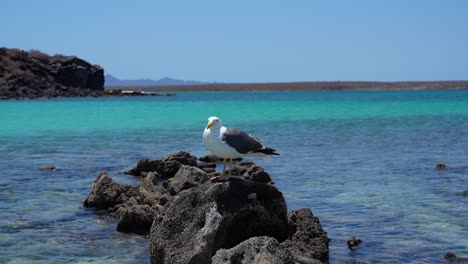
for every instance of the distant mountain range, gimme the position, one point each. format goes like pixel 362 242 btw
pixel 113 81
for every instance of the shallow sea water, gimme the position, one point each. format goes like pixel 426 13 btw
pixel 362 161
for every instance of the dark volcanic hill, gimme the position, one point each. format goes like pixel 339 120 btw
pixel 35 74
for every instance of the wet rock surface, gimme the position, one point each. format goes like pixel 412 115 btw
pixel 48 168
pixel 441 166
pixel 452 258
pixel 193 220
pixel 35 74
pixel 353 243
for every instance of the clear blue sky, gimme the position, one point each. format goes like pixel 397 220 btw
pixel 250 41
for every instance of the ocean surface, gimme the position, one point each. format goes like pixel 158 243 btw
pixel 364 162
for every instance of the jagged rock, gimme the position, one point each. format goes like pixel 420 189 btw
pixel 166 167
pixel 136 218
pixel 182 157
pixel 139 206
pixel 105 192
pixel 212 216
pixel 187 177
pixel 35 74
pixel 163 169
pixel 258 174
pixel 251 171
pixel 255 250
pixel 307 240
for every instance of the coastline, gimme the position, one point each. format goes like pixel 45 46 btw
pixel 301 86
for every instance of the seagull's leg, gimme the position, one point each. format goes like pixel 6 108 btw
pixel 223 177
pixel 230 167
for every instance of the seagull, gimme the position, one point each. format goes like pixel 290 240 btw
pixel 231 143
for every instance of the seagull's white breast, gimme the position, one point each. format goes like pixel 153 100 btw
pixel 212 140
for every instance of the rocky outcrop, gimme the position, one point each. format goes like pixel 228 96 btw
pixel 213 216
pixel 194 220
pixel 35 74
pixel 164 168
pixel 105 192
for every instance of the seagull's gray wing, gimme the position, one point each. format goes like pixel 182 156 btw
pixel 241 141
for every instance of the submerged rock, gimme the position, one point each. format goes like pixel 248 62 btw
pixel 353 243
pixel 452 258
pixel 441 166
pixel 48 168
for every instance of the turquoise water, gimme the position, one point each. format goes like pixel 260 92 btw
pixel 362 161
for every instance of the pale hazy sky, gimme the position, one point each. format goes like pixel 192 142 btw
pixel 250 41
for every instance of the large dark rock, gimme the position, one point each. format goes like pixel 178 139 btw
pixel 210 217
pixel 307 243
pixel 35 74
pixel 307 240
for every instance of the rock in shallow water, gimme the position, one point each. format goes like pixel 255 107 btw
pixel 48 168
pixel 353 243
pixel 193 220
pixel 105 192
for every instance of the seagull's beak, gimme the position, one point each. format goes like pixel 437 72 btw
pixel 210 124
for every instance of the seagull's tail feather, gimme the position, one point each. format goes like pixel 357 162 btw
pixel 266 151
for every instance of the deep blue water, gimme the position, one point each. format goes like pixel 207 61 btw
pixel 362 161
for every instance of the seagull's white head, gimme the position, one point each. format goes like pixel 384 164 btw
pixel 214 122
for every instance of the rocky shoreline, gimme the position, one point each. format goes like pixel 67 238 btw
pixel 34 75
pixel 193 220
